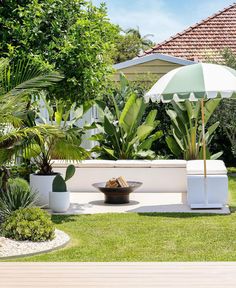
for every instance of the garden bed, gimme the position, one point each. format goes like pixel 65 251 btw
pixel 147 236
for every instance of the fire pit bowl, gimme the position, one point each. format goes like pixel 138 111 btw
pixel 118 195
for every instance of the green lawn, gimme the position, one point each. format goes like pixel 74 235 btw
pixel 148 237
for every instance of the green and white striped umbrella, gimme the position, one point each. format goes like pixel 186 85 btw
pixel 194 82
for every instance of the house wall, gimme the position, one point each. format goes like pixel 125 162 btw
pixel 153 69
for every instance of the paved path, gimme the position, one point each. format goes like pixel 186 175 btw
pixel 91 203
pixel 114 275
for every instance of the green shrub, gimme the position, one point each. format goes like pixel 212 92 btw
pixel 22 170
pixel 18 195
pixel 31 224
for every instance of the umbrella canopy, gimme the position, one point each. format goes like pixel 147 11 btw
pixel 195 82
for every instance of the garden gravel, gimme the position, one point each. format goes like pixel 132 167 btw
pixel 12 248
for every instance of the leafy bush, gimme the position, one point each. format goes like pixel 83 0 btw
pixel 125 134
pixel 31 224
pixel 226 134
pixel 22 170
pixel 18 195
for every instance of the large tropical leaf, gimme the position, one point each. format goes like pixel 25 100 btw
pixel 147 144
pixel 151 117
pixel 132 114
pixel 210 107
pixel 23 75
pixel 173 146
pixel 109 128
pixel 216 155
pixel 143 131
pixel 210 131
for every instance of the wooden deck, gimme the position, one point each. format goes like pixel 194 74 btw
pixel 114 275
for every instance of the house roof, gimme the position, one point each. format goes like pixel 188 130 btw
pixel 147 58
pixel 203 40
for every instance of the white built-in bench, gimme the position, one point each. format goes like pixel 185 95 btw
pixel 156 175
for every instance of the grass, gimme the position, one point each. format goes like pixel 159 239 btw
pixel 231 170
pixel 148 237
pixel 232 194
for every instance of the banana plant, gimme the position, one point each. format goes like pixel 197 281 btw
pixel 186 129
pixel 124 134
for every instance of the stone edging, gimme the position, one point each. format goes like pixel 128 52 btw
pixel 45 249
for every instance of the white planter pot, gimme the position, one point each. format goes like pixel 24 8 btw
pixel 42 184
pixel 212 191
pixel 59 201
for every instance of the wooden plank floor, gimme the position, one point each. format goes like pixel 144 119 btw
pixel 114 275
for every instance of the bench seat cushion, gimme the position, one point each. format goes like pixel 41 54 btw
pixel 86 163
pixel 168 163
pixel 133 163
pixel 214 167
pixel 123 164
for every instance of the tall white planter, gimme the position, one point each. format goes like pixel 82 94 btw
pixel 59 201
pixel 42 184
pixel 210 191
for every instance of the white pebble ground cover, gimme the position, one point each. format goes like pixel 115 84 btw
pixel 11 248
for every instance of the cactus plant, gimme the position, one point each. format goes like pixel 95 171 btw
pixel 59 183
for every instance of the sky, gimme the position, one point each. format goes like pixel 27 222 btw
pixel 162 18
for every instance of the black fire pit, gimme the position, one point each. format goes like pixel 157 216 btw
pixel 118 195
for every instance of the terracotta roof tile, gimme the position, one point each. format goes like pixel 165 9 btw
pixel 204 39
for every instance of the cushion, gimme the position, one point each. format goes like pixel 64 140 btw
pixel 133 163
pixel 86 163
pixel 94 163
pixel 214 167
pixel 169 163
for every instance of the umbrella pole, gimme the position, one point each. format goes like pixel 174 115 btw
pixel 203 137
pixel 204 151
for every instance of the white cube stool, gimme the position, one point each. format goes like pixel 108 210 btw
pixel 209 192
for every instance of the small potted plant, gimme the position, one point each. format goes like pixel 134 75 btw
pixel 41 181
pixel 59 197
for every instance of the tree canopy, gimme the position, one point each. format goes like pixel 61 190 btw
pixel 130 43
pixel 72 36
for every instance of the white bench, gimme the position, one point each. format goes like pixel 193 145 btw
pixel 156 175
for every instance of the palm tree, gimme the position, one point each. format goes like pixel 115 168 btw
pixel 18 81
pixel 20 132
pixel 130 44
pixel 145 42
